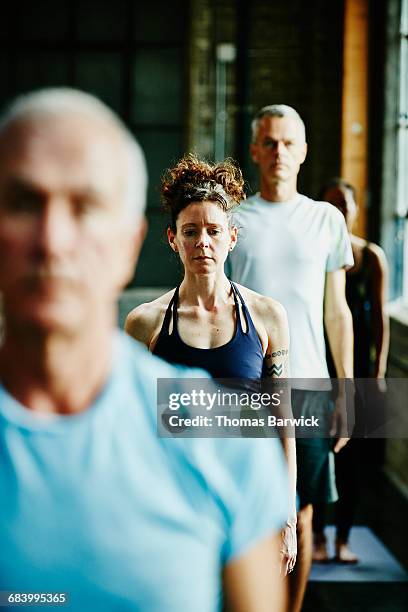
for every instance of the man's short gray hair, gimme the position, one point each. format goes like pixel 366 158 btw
pixel 62 101
pixel 276 110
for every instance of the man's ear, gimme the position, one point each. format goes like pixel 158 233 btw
pixel 253 150
pixel 304 153
pixel 170 237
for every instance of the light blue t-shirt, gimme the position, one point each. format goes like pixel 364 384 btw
pixel 284 251
pixel 97 505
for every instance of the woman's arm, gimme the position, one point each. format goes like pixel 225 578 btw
pixel 277 366
pixel 339 327
pixel 380 328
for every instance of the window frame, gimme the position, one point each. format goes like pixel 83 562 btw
pixel 402 144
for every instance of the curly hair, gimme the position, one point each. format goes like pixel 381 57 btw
pixel 194 180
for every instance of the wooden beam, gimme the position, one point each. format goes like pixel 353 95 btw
pixel 354 163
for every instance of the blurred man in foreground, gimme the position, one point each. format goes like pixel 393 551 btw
pixel 94 504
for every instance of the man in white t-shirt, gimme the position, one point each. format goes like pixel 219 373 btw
pixel 296 250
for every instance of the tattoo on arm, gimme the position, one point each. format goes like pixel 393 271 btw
pixel 275 368
pixel 280 353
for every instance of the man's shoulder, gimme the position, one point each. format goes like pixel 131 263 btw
pixel 238 455
pixel 249 205
pixel 142 379
pixel 143 369
pixel 321 207
pixel 251 200
pixel 324 214
pixel 255 204
pixel 228 463
pixel 147 366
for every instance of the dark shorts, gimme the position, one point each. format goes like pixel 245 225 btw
pixel 315 461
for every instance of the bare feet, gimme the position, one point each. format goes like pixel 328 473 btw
pixel 344 554
pixel 320 554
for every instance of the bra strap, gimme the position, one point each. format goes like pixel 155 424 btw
pixel 174 306
pixel 245 313
pixel 169 312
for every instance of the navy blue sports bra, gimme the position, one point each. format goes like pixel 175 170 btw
pixel 241 357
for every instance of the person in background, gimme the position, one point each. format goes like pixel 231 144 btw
pixel 95 507
pixel 296 250
pixel 366 290
pixel 208 321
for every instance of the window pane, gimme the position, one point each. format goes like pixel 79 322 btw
pixel 4 82
pixel 43 20
pixel 41 69
pixel 159 22
pixel 402 205
pixel 405 266
pixel 101 74
pixel 161 150
pixel 101 21
pixel 157 87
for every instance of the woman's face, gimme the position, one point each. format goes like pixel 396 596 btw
pixel 343 199
pixel 203 237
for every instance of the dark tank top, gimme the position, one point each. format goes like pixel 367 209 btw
pixel 358 295
pixel 241 357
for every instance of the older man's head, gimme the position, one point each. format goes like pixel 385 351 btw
pixel 72 192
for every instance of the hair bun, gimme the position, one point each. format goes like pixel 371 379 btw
pixel 180 183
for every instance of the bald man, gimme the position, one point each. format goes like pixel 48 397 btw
pixel 96 509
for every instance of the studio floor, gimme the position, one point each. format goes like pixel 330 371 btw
pixel 384 511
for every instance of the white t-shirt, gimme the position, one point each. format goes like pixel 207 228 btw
pixel 284 251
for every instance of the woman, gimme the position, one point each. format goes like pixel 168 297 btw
pixel 366 285
pixel 208 321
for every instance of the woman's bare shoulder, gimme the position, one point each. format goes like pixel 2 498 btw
pixel 262 305
pixel 145 320
pixel 377 254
